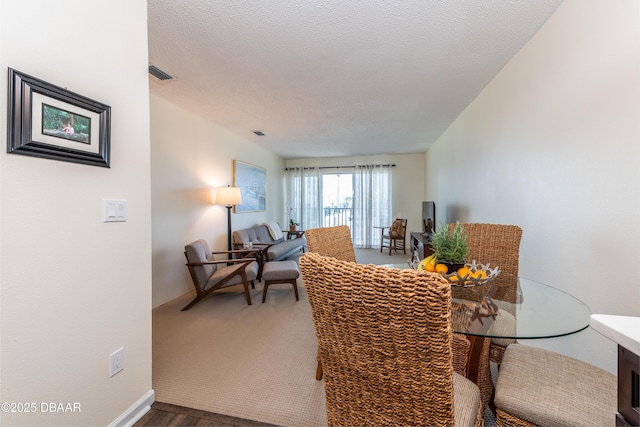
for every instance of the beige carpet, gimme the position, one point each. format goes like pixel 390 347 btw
pixel 256 362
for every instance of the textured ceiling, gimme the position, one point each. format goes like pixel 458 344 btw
pixel 335 77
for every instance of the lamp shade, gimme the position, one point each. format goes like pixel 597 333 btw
pixel 228 196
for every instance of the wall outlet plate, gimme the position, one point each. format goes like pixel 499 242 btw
pixel 116 361
pixel 115 210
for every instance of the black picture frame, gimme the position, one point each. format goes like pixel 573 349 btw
pixel 32 104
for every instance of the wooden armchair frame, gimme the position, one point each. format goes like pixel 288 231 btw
pixel 239 269
pixel 261 254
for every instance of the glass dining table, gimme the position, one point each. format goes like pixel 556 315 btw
pixel 537 311
pixel 516 308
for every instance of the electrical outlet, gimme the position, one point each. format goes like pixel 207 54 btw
pixel 116 361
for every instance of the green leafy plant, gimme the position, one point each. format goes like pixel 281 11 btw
pixel 292 223
pixel 450 246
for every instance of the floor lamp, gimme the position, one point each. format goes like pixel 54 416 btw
pixel 228 196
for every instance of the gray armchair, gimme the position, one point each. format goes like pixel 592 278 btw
pixel 209 274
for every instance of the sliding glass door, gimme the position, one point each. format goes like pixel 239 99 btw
pixel 337 199
pixel 326 197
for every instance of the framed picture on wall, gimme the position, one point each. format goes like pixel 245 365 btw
pixel 51 122
pixel 251 180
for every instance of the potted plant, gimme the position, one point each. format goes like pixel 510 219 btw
pixel 292 225
pixel 450 247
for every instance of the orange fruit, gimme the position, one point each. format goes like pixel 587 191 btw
pixel 463 271
pixel 430 267
pixel 479 274
pixel 453 278
pixel 441 268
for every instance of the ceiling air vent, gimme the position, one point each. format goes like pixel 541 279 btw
pixel 158 73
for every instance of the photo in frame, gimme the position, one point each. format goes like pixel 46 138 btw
pixel 251 180
pixel 48 121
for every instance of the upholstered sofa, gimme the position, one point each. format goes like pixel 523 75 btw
pixel 270 239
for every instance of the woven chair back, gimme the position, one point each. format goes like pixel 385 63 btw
pixel 333 242
pixel 398 228
pixel 498 245
pixel 384 338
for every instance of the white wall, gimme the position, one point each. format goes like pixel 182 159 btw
pixel 74 289
pixel 407 186
pixel 553 144
pixel 190 157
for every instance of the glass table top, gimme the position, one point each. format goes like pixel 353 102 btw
pixel 539 311
pixel 522 309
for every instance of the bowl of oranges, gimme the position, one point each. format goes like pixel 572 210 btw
pixel 471 274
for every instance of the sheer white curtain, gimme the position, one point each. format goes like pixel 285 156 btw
pixel 371 203
pixel 304 191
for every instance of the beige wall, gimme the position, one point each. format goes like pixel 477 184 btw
pixel 190 157
pixel 553 144
pixel 73 288
pixel 408 180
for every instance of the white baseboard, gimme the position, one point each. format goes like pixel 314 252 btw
pixel 136 411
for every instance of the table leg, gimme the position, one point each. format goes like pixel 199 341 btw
pixel 479 370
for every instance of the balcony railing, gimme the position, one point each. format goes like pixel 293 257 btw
pixel 337 216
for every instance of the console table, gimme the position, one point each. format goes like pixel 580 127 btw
pixel 421 243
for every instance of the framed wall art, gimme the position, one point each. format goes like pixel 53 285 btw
pixel 51 122
pixel 251 181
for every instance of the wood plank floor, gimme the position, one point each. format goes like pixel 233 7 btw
pixel 164 414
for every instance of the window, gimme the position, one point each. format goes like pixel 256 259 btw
pixel 361 200
pixel 337 199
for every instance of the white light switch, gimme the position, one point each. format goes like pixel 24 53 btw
pixel 115 210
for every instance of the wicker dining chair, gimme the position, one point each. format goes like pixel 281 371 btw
pixel 384 336
pixel 333 242
pixel 541 387
pixel 498 245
